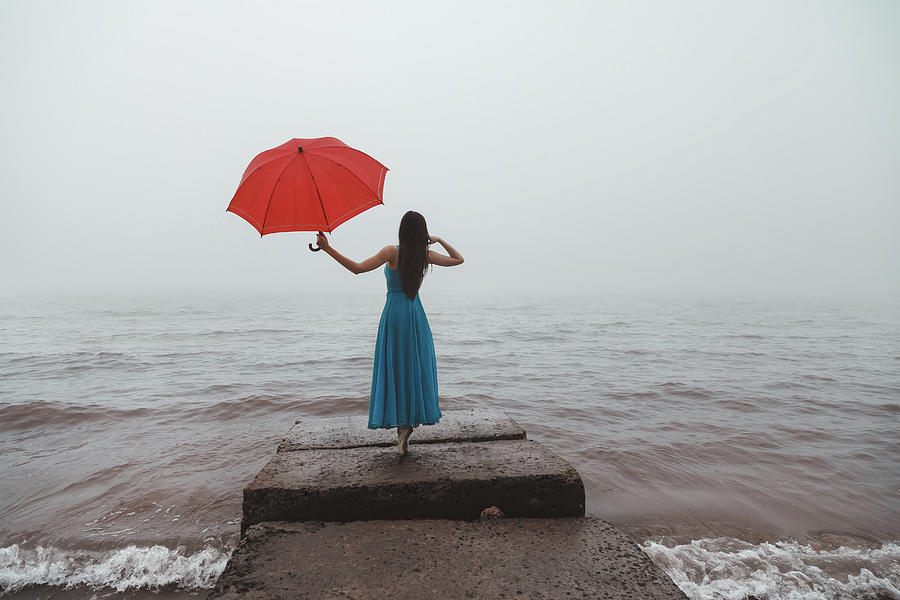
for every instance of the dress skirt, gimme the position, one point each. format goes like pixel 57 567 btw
pixel 404 374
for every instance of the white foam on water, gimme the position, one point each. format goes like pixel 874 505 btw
pixel 121 569
pixel 732 569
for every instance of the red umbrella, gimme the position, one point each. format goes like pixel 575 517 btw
pixel 308 185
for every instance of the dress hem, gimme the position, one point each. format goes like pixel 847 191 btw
pixel 399 424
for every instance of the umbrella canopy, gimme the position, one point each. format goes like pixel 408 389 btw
pixel 308 185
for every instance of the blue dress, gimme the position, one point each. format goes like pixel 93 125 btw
pixel 404 377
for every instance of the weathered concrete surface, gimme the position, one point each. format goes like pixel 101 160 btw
pixel 435 481
pixel 351 432
pixel 507 558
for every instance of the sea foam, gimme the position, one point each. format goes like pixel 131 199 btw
pixel 732 569
pixel 121 569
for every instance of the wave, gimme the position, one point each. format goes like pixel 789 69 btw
pixel 234 408
pixel 63 415
pixel 676 388
pixel 732 569
pixel 122 569
pixel 47 413
pixel 248 332
pixel 76 361
pixel 65 356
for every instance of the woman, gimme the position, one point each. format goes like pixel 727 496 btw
pixel 404 378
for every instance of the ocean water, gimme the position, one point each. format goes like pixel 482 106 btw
pixel 752 449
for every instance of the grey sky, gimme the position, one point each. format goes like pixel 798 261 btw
pixel 687 148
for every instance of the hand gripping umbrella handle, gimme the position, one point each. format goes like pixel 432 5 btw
pixel 315 248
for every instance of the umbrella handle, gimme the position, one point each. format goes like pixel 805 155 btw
pixel 311 247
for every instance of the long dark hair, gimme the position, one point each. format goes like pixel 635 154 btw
pixel 413 252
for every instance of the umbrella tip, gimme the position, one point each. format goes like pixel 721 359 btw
pixel 300 148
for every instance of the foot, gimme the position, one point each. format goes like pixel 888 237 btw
pixel 403 433
pixel 409 431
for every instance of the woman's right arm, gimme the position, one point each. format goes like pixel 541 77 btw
pixel 441 260
pixel 373 262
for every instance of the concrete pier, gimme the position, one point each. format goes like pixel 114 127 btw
pixel 442 560
pixel 435 481
pixel 336 469
pixel 338 513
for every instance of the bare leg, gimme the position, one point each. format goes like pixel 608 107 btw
pixel 403 433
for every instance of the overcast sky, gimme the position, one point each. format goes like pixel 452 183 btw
pixel 747 149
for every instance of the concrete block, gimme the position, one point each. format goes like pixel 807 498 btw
pixel 352 431
pixel 451 560
pixel 435 481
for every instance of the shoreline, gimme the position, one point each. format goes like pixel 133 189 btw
pixel 846 559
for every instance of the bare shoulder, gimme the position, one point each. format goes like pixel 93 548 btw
pixel 390 254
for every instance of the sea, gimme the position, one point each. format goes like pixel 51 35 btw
pixel 751 448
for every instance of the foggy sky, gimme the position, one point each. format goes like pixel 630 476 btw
pixel 746 149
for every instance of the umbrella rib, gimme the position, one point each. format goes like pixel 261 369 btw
pixel 260 166
pixel 316 185
pixel 262 228
pixel 384 168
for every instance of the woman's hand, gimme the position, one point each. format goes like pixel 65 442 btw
pixel 442 260
pixel 433 239
pixel 322 241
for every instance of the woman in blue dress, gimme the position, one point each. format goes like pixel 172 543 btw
pixel 404 377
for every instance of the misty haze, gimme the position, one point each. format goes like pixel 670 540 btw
pixel 703 149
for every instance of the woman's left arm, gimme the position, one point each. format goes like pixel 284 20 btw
pixel 371 263
pixel 436 258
